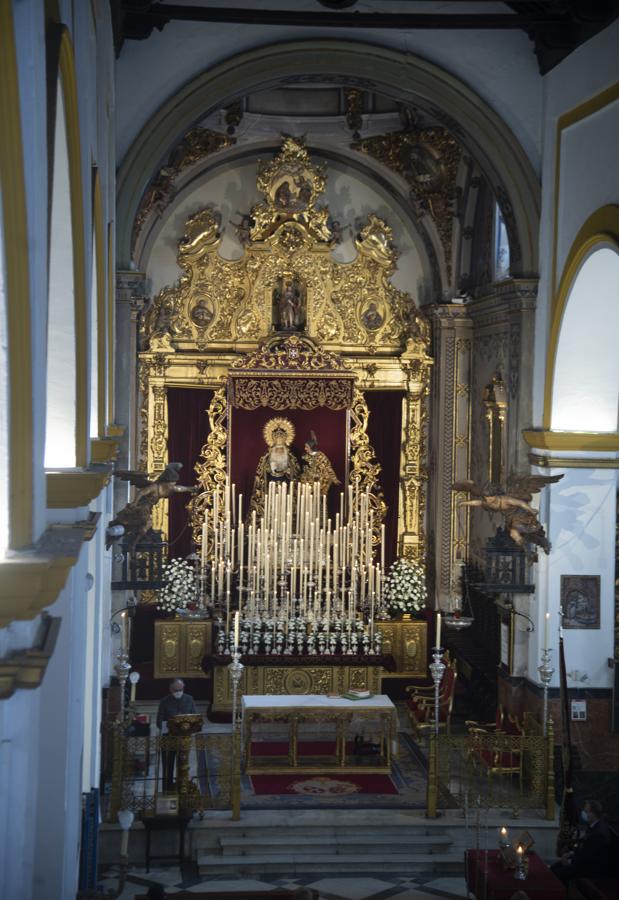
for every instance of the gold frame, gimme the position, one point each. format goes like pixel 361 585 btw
pixel 187 352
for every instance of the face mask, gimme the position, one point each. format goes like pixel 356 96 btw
pixel 177 695
pixel 584 817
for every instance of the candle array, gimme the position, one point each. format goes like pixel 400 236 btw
pixel 294 561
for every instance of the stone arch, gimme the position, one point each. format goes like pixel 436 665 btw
pixel 403 77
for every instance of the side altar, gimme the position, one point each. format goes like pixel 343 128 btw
pixel 294 519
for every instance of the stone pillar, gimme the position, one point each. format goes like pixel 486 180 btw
pixel 450 443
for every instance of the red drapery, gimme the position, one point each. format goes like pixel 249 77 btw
pixel 247 443
pixel 385 434
pixel 188 429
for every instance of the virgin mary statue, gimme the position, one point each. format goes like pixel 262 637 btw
pixel 278 464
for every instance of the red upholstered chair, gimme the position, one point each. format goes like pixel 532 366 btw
pixel 488 727
pixel 420 703
pixel 500 751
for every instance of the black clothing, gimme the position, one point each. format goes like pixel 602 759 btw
pixel 170 707
pixel 593 857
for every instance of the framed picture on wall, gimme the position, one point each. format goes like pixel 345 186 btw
pixel 580 601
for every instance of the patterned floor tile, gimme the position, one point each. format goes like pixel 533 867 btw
pixel 453 887
pixel 350 888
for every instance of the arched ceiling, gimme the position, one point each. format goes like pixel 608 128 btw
pixel 388 81
pixel 499 66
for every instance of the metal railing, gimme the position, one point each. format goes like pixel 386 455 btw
pixel 193 773
pixel 502 771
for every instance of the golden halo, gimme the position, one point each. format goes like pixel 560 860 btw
pixel 278 424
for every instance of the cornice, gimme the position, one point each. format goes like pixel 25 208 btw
pixel 103 450
pixel 572 441
pixel 31 581
pixel 71 488
pixel 573 462
pixel 26 668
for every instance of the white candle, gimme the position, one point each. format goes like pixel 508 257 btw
pixel 123 631
pixel 438 629
pixel 546 621
pixel 204 540
pixel 236 631
pixel 382 547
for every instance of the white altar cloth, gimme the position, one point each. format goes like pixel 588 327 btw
pixel 258 702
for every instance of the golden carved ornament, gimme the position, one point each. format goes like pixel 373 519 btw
pixel 291 373
pixel 365 470
pixel 193 148
pixel 211 468
pixel 351 305
pixel 428 159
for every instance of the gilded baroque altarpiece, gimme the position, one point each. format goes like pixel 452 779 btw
pixel 288 305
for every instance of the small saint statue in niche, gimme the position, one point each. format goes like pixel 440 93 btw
pixel 292 194
pixel 289 304
pixel 278 464
pixel 317 466
pixel 371 318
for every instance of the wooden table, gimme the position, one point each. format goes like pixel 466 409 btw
pixel 317 709
pixel 487 880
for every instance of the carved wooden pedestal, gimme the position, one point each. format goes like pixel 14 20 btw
pixel 407 642
pixel 294 679
pixel 180 645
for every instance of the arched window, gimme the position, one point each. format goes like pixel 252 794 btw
pixel 586 375
pixel 501 246
pixel 61 412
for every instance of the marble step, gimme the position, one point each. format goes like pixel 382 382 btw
pixel 208 837
pixel 320 862
pixel 350 843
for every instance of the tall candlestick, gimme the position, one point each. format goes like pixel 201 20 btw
pixel 236 631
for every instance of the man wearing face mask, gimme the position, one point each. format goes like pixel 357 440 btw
pixel 176 703
pixel 593 857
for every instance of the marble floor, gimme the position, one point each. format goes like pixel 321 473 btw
pixel 346 886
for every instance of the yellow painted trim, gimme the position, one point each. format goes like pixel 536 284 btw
pixel 111 284
pixel 27 586
pixel 571 117
pixel 14 215
pixel 574 462
pixel 68 81
pixel 68 489
pixel 102 312
pixel 26 668
pixel 573 441
pixel 602 227
pixel 116 431
pixel 103 450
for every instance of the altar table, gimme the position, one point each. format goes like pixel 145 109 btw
pixel 487 880
pixel 296 711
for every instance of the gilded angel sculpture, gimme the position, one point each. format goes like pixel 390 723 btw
pixel 512 502
pixel 136 516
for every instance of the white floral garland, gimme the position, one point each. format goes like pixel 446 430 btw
pixel 405 588
pixel 180 588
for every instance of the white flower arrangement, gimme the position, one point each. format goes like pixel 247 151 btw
pixel 180 588
pixel 405 588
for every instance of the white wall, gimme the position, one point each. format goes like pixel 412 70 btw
pixel 49 737
pixel 500 66
pixel 580 515
pixel 589 175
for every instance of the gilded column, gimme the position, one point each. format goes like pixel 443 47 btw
pixel 451 442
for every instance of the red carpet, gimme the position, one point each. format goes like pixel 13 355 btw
pixel 323 785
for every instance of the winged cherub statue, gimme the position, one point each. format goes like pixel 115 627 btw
pixel 136 516
pixel 512 502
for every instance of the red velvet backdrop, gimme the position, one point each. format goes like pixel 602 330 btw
pixel 247 443
pixel 188 429
pixel 385 434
